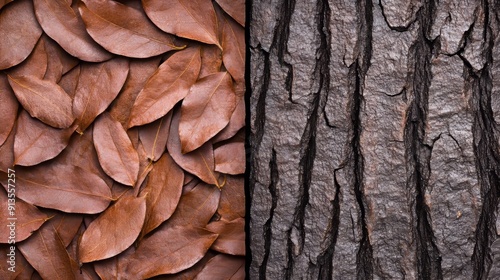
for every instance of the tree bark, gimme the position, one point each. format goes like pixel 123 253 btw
pixel 374 139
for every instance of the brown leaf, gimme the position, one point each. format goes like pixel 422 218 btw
pixel 234 8
pixel 199 162
pixel 206 110
pixel 168 85
pixel 44 100
pixel 233 49
pixel 163 191
pixel 169 250
pixel 192 19
pixel 19 31
pixel 59 61
pixel 196 207
pixel 145 166
pixel 223 267
pixel 7 152
pixel 112 268
pixel 25 217
pixel 154 136
pixel 236 122
pixel 230 158
pixel 232 199
pixel 98 86
pixel 65 224
pixel 64 26
pixel 8 108
pixel 34 65
pixel 63 187
pixel 114 230
pixel 124 30
pixel 211 60
pixel 69 81
pixel 22 269
pixel 190 273
pixel 231 238
pixel 36 142
pixel 4 2
pixel 45 251
pixel 139 73
pixel 116 154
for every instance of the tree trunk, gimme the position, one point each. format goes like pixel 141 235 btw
pixel 374 135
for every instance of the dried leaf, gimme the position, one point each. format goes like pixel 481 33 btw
pixel 230 158
pixel 116 154
pixel 47 254
pixel 190 273
pixel 231 238
pixel 236 122
pixel 139 73
pixel 65 224
pixel 211 60
pixel 19 31
pixel 192 19
pixel 113 231
pixel 22 269
pixel 8 108
pixel 124 30
pixel 44 100
pixel 154 137
pixel 59 61
pixel 24 217
pixel 223 267
pixel 163 191
pixel 206 110
pixel 34 65
pixel 196 207
pixel 63 187
pixel 169 250
pixel 199 162
pixel 232 199
pixel 69 81
pixel 168 85
pixel 98 86
pixel 112 268
pixel 64 26
pixel 233 49
pixel 7 152
pixel 234 8
pixel 36 142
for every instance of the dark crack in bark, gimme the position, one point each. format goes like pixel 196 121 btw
pixel 417 153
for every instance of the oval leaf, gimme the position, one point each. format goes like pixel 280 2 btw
pixel 116 153
pixel 154 137
pixel 98 86
pixel 233 49
pixel 36 142
pixel 231 238
pixel 232 198
pixel 163 191
pixel 113 231
pixel 192 19
pixel 34 65
pixel 124 30
pixel 64 26
pixel 169 250
pixel 44 100
pixel 234 8
pixel 223 267
pixel 206 110
pixel 19 31
pixel 168 85
pixel 236 122
pixel 230 158
pixel 8 108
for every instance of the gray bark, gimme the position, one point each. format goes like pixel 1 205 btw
pixel 374 139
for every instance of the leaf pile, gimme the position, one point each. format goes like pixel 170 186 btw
pixel 124 123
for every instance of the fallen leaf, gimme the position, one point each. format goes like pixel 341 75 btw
pixel 44 100
pixel 211 60
pixel 112 268
pixel 199 162
pixel 26 217
pixel 124 30
pixel 223 267
pixel 169 250
pixel 232 198
pixel 59 61
pixel 230 158
pixel 116 154
pixel 233 49
pixel 36 142
pixel 114 230
pixel 98 86
pixel 231 238
pixel 63 25
pixel 19 31
pixel 34 65
pixel 8 108
pixel 66 224
pixel 192 19
pixel 234 8
pixel 69 81
pixel 162 192
pixel 236 122
pixel 154 137
pixel 167 86
pixel 47 254
pixel 196 207
pixel 139 73
pixel 206 110
pixel 190 273
pixel 22 270
pixel 67 188
pixel 7 152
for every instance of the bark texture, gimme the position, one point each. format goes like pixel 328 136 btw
pixel 374 139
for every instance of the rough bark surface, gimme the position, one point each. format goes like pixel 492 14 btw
pixel 374 139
